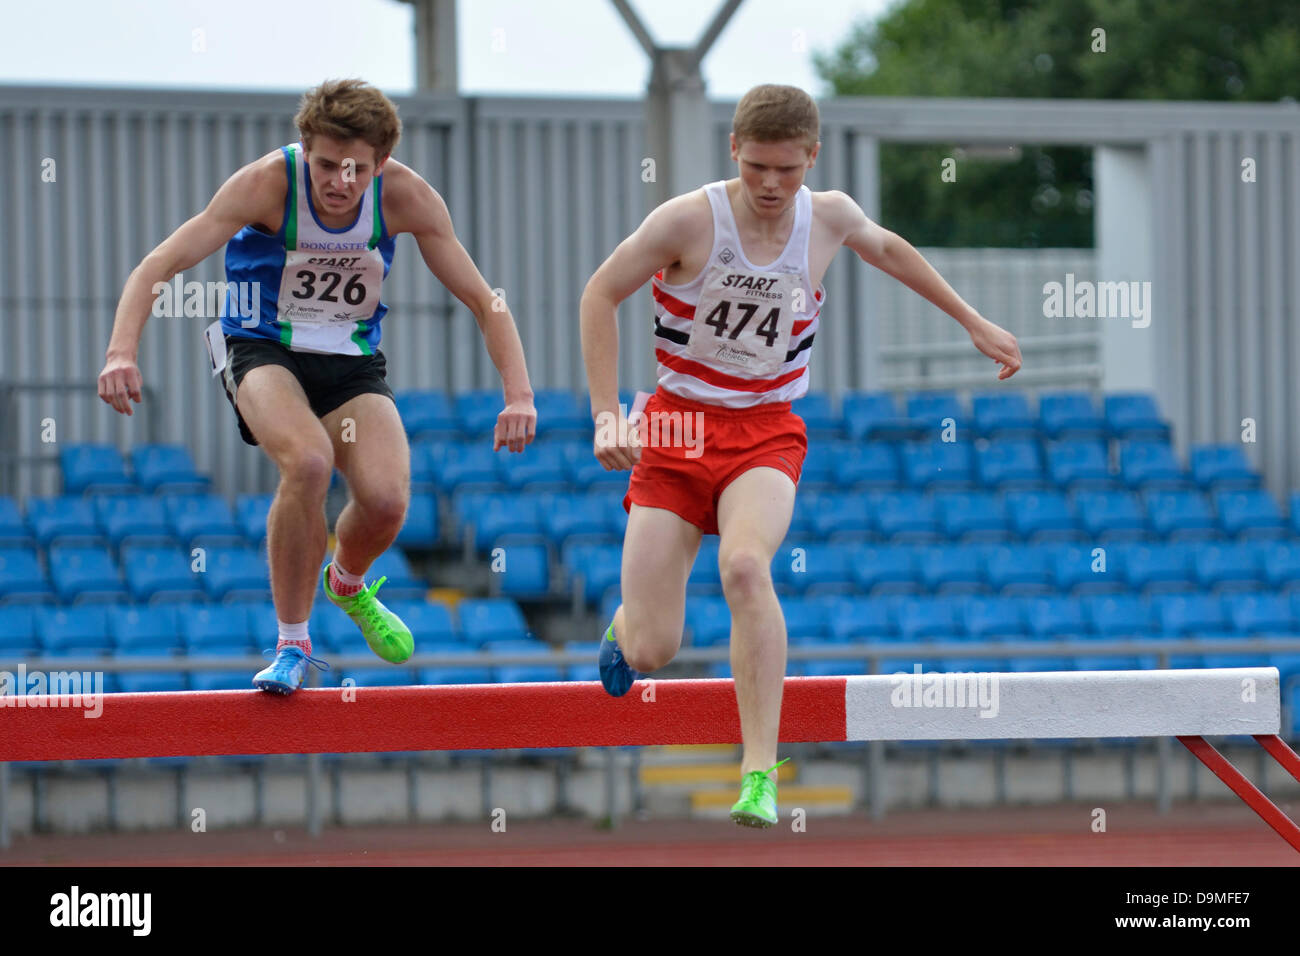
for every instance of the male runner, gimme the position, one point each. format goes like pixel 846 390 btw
pixel 314 223
pixel 737 268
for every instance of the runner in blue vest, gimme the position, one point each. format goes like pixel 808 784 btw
pixel 313 224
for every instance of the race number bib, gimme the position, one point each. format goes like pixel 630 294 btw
pixel 743 320
pixel 329 288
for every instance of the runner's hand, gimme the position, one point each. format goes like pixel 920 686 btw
pixel 119 381
pixel 516 426
pixel 617 445
pixel 998 344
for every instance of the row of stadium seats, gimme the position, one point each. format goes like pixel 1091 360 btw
pixel 164 574
pixel 990 569
pixel 239 627
pixel 860 415
pixel 1003 464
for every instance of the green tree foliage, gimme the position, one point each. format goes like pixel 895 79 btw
pixel 1234 50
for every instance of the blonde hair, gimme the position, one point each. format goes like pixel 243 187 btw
pixel 349 109
pixel 771 113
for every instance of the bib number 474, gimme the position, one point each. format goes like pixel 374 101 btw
pixel 767 328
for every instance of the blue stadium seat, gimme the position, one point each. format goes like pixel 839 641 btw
pixel 1249 514
pixel 492 619
pixel 827 666
pixel 1020 570
pixel 1135 415
pixel 537 467
pixel 1057 618
pixel 1282 566
pixel 154 627
pixel 427 414
pixel 161 574
pixel 1229 566
pixel 389 676
pixel 216 628
pixel 1080 466
pixel 94 469
pixel 906 517
pixel 1293 515
pixel 1010 464
pixel 995 618
pixel 563 413
pixel 1152 466
pixel 973 516
pixel 861 619
pixel 1080 571
pixel 66 520
pixel 874 416
pixel 587 473
pixel 1223 468
pixel 13 530
pixel 17 631
pixel 85 574
pixel 134 519
pixel 420 529
pixel 822 569
pixel 1181 515
pixel 526 574
pixel 426 458
pixel 891 569
pixel 22 578
pixel 868 466
pixel 1070 415
pixel 564 515
pixel 1042 516
pixel 1261 613
pixel 73 630
pixel 1116 616
pixel 202 520
pixel 1112 515
pixel 219 680
pixel 1004 414
pixel 940 465
pixel 477 412
pixel 1181 614
pixel 708 621
pixel 402 581
pixel 332 630
pixel 841 516
pixel 431 622
pixel 921 619
pixel 251 514
pixel 953 569
pixel 805 619
pixel 167 469
pixel 931 409
pixel 475 465
pixel 523 673
pixel 820 419
pixel 595 568
pixel 1157 568
pixel 236 573
pixel 819 466
pixel 149 682
pixel 456 674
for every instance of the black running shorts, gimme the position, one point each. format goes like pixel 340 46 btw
pixel 328 380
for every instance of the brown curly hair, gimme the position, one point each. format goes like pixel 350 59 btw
pixel 349 109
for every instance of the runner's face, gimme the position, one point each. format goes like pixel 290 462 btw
pixel 771 173
pixel 341 171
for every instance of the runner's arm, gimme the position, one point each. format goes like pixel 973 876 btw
pixel 425 215
pixel 894 255
pixel 243 198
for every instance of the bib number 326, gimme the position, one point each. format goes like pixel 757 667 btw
pixel 743 321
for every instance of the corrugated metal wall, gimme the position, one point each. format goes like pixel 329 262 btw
pixel 542 190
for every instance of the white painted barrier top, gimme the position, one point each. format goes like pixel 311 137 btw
pixel 990 706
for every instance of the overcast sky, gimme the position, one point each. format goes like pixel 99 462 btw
pixel 574 47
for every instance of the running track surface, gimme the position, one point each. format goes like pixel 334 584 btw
pixel 1193 835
